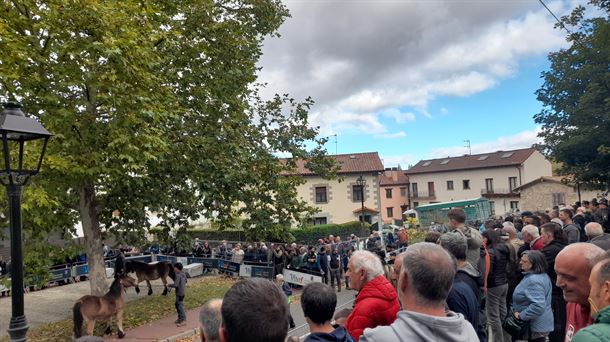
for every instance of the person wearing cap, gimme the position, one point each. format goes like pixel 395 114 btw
pixel 180 286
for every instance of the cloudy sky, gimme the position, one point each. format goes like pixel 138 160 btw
pixel 414 79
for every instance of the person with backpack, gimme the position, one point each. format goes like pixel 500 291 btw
pixel 335 269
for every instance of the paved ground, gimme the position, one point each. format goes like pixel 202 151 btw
pixel 164 328
pixel 55 303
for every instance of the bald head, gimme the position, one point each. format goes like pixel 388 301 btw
pixel 510 230
pixel 573 266
pixel 594 229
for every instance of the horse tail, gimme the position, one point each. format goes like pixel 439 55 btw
pixel 78 320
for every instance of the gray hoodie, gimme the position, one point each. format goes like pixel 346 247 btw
pixel 414 327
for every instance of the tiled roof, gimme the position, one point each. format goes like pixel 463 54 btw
pixel 393 177
pixel 474 161
pixel 350 163
pixel 551 179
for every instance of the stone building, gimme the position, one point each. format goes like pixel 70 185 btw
pixel 549 191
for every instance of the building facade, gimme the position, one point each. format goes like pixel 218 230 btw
pixel 546 192
pixel 342 200
pixel 394 193
pixel 494 175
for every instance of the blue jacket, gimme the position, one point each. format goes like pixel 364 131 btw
pixel 532 300
pixel 338 335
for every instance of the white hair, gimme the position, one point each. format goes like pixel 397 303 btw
pixel 365 260
pixel 531 230
pixel 279 277
pixel 593 229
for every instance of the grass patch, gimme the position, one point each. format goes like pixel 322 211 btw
pixel 140 311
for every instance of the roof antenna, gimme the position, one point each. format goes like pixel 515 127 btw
pixel 336 148
pixel 467 141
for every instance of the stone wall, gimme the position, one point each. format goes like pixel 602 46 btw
pixel 539 196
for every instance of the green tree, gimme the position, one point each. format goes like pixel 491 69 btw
pixel 154 107
pixel 576 97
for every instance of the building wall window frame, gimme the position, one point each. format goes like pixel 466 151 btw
pixel 466 184
pixel 321 194
pixel 357 193
pixel 414 189
pixel 514 206
pixel 449 185
pixel 390 212
pixel 319 220
pixel 388 193
pixel 512 183
pixel 489 185
pixel 403 192
pixel 559 198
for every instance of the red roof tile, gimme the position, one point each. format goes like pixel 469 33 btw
pixel 350 163
pixel 393 177
pixel 475 161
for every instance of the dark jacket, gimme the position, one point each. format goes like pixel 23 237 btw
pixel 550 251
pixel 179 284
pixel 335 260
pixel 471 277
pixel 337 335
pixel 602 241
pixel 499 256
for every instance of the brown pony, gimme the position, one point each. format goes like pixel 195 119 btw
pixel 148 272
pixel 93 308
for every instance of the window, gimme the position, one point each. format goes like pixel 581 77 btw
pixel 388 193
pixel 415 204
pixel 444 162
pixel 431 188
pixel 403 192
pixel 426 163
pixel 356 193
pixel 390 211
pixel 558 198
pixel 507 155
pixel 492 207
pixel 466 184
pixel 321 194
pixel 481 158
pixel 489 184
pixel 514 205
pixel 319 220
pixel 449 185
pixel 414 188
pixel 512 183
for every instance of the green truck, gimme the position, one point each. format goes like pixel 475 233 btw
pixel 436 213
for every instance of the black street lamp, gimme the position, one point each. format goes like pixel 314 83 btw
pixel 361 182
pixel 23 152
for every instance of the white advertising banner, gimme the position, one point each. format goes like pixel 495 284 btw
pixel 300 278
pixel 245 271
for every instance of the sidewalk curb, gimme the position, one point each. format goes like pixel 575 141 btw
pixel 188 333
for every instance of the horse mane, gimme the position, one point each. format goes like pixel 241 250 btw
pixel 115 289
pixel 171 272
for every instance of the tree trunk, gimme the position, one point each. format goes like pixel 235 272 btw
pixel 93 240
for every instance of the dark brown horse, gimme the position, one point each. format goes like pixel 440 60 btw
pixel 93 308
pixel 148 272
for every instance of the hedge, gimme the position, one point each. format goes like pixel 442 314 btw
pixel 306 235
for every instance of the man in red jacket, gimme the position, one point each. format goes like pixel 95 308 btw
pixel 377 301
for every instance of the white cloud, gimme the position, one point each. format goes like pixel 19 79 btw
pixel 362 60
pixel 521 140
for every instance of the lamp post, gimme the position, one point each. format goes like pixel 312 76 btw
pixel 361 182
pixel 22 157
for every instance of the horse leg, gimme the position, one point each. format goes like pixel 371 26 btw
pixel 149 287
pixel 164 286
pixel 137 283
pixel 90 327
pixel 119 322
pixel 108 330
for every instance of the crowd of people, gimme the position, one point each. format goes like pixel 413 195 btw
pixel 539 276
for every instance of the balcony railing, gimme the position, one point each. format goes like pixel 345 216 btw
pixel 423 194
pixel 498 191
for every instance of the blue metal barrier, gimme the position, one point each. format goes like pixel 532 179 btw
pixel 61 274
